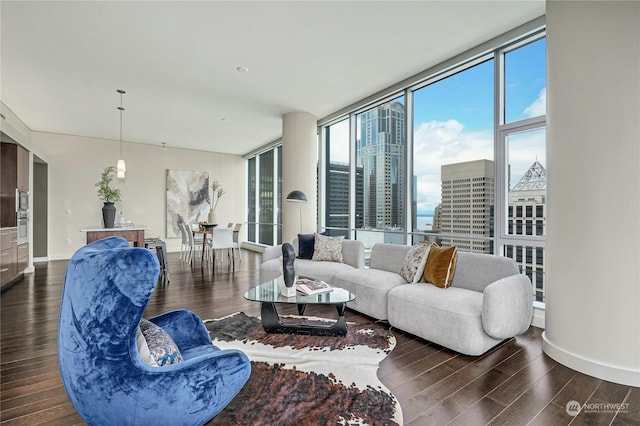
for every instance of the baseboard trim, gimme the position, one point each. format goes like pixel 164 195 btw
pixel 611 373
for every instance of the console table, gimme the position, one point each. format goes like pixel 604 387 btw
pixel 133 234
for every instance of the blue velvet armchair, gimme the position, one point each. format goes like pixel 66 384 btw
pixel 106 289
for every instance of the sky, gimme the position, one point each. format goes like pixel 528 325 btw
pixel 453 121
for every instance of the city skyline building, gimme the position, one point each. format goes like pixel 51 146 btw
pixel 527 216
pixel 381 155
pixel 338 198
pixel 467 206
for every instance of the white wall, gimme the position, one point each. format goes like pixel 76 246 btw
pixel 593 154
pixel 75 164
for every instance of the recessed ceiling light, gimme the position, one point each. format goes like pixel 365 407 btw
pixel 242 69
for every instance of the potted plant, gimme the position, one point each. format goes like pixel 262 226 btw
pixel 108 195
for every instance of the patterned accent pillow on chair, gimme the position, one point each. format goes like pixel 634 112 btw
pixel 328 248
pixel 161 346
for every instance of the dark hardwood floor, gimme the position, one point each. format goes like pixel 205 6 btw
pixel 513 384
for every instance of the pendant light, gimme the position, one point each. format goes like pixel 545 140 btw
pixel 120 167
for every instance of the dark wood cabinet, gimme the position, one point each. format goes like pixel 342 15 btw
pixel 8 184
pixel 22 169
pixel 14 174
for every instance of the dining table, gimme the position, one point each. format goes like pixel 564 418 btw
pixel 205 230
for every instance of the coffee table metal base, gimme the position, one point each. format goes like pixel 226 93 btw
pixel 272 324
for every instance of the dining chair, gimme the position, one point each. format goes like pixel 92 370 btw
pixel 236 243
pixel 184 248
pixel 222 239
pixel 230 225
pixel 192 246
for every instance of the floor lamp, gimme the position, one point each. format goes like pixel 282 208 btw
pixel 298 197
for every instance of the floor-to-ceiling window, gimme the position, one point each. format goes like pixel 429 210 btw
pixel 457 158
pixel 338 179
pixel 453 159
pixel 264 216
pixel 380 157
pixel 522 142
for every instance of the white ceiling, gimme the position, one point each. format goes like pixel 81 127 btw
pixel 62 62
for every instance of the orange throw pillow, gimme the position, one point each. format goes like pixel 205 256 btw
pixel 441 265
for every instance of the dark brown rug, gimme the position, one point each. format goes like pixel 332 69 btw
pixel 308 380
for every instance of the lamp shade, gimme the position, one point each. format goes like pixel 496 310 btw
pixel 121 169
pixel 297 197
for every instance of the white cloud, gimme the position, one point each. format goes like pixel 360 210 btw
pixel 539 106
pixel 444 142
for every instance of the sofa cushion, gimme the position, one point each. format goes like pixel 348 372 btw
pixel 477 270
pixel 161 346
pixel 441 265
pixel 371 287
pixel 327 248
pixel 450 317
pixel 414 262
pixel 388 257
pixel 320 270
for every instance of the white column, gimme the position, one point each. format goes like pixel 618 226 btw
pixel 299 171
pixel 592 290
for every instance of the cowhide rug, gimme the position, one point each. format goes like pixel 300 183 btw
pixel 308 380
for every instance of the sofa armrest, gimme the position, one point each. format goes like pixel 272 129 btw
pixel 272 252
pixel 507 306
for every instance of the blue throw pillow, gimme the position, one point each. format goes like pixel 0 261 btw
pixel 161 346
pixel 306 246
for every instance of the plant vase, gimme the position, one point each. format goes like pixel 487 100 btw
pixel 212 219
pixel 108 214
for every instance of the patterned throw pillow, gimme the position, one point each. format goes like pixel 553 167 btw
pixel 328 248
pixel 161 346
pixel 413 265
pixel 441 265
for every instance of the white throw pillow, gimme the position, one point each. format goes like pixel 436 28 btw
pixel 413 265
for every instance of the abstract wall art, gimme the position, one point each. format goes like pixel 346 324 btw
pixel 187 193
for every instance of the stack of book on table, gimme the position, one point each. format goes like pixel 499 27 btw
pixel 310 287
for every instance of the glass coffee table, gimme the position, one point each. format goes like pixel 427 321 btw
pixel 268 295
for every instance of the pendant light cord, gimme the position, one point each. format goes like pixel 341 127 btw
pixel 121 108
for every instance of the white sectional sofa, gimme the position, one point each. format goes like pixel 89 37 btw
pixel 352 258
pixel 488 301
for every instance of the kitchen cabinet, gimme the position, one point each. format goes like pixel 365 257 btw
pixel 22 169
pixel 9 255
pixel 14 175
pixel 8 184
pixel 23 257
